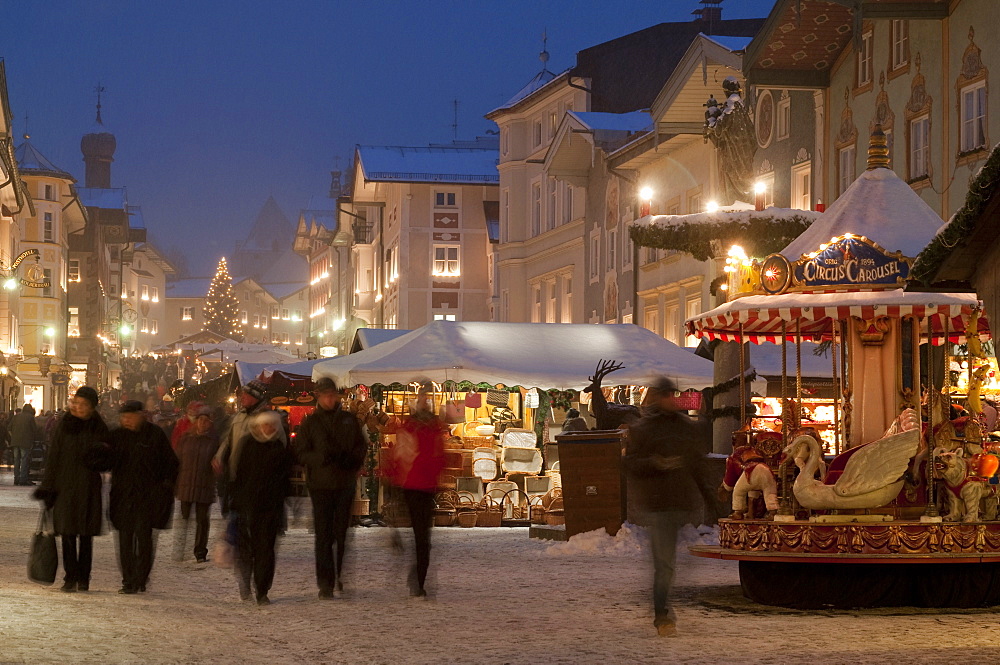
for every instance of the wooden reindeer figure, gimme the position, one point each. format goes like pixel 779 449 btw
pixel 609 416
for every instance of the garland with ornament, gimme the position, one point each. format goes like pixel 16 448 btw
pixel 982 189
pixel 221 306
pixel 759 234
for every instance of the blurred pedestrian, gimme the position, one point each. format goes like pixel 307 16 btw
pixel 668 471
pixel 226 459
pixel 24 434
pixel 143 472
pixel 71 486
pixel 196 482
pixel 418 459
pixel 259 488
pixel 331 445
pixel 183 424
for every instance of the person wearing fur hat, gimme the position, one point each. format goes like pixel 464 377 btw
pixel 71 486
pixel 143 472
pixel 252 401
pixel 260 485
pixel 195 483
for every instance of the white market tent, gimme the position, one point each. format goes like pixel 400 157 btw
pixel 543 355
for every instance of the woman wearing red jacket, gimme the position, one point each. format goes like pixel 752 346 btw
pixel 419 460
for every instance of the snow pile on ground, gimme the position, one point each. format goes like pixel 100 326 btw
pixel 630 540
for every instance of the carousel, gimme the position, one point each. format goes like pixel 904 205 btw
pixel 894 505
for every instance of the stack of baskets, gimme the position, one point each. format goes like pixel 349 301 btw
pixel 489 512
pixel 552 504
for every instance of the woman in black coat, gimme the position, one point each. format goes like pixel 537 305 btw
pixel 259 488
pixel 71 486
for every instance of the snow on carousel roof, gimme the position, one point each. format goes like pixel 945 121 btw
pixel 878 205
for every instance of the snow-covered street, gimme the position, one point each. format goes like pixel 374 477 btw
pixel 499 598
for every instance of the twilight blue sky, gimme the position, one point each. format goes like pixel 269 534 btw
pixel 217 104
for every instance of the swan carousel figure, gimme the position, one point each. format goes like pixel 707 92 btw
pixel 866 476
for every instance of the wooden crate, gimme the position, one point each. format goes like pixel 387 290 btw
pixel 590 464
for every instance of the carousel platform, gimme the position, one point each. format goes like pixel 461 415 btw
pixel 814 565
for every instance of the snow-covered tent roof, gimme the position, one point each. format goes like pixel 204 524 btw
pixel 366 338
pixel 247 371
pixel 428 164
pixel 544 355
pixel 878 205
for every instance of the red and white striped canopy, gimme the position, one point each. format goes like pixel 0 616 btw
pixel 759 319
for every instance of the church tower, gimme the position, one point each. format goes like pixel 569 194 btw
pixel 98 149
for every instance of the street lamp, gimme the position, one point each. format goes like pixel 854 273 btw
pixel 759 191
pixel 10 284
pixel 646 194
pixel 50 332
pixel 3 386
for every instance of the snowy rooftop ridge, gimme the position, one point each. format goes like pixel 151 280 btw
pixel 429 164
pixel 114 198
pixel 537 82
pixel 31 161
pixel 739 212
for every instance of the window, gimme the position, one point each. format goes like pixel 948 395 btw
pixel 504 215
pixel 284 338
pixel 284 314
pixel 144 326
pixel 297 315
pixel 802 186
pixel 550 213
pixel 187 314
pixel 74 270
pixel 505 140
pixel 275 338
pixel 156 294
pixel 50 193
pixel 628 251
pixel 256 321
pixel 243 317
pixel 612 249
pixel 567 299
pixel 649 320
pixel 298 339
pixel 444 199
pixel 48 227
pixel 920 133
pixel 504 305
pixel 274 312
pixel 446 261
pixel 74 322
pixel 784 117
pixel 154 327
pixel 552 304
pixel 694 203
pixel 536 303
pixel 595 256
pixel 47 291
pixel 567 211
pixel 145 292
pixel 845 171
pixel 553 123
pixel 670 323
pixel 864 75
pixel 900 43
pixel 973 117
pixel 536 133
pixel 691 310
pixel 263 322
pixel 536 208
pixel 444 317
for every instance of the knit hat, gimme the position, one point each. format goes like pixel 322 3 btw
pixel 89 394
pixel 256 389
pixel 131 406
pixel 326 384
pixel 663 386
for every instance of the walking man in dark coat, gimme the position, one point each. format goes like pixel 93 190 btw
pixel 143 471
pixel 668 470
pixel 72 484
pixel 331 445
pixel 24 433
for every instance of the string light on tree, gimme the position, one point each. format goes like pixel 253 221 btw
pixel 221 305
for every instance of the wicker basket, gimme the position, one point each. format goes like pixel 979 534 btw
pixel 444 517
pixel 537 510
pixel 488 512
pixel 467 519
pixel 473 442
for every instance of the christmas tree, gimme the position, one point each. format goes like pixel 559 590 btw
pixel 221 305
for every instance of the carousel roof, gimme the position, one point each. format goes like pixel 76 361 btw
pixel 759 319
pixel 878 205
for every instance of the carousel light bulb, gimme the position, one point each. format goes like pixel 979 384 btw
pixel 646 193
pixel 712 207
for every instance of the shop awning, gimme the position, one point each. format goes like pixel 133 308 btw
pixel 543 355
pixel 759 319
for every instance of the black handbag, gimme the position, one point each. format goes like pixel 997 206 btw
pixel 497 397
pixel 43 561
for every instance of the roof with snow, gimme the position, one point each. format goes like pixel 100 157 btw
pixel 430 164
pixel 282 290
pixel 194 287
pixel 135 219
pixel 634 121
pixel 878 205
pixel 97 197
pixel 732 43
pixel 30 161
pixel 537 82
